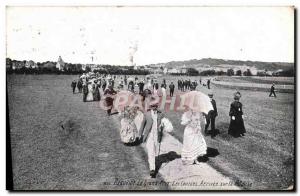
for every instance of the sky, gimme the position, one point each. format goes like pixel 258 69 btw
pixel 146 35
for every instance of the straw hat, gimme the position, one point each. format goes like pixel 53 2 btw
pixel 153 103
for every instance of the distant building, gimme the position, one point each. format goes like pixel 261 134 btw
pixel 30 64
pixel 165 71
pixel 157 71
pixel 86 66
pixel 277 72
pixel 49 65
pixel 17 64
pixel 60 65
pixel 173 71
pixel 141 67
pixel 269 73
pixel 95 67
pixel 183 69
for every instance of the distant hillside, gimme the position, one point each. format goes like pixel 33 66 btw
pixel 194 63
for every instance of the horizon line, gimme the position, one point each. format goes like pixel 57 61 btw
pixel 158 62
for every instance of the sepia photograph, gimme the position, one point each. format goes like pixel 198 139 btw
pixel 150 98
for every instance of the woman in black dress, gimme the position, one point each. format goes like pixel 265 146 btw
pixel 109 92
pixel 236 127
pixel 96 92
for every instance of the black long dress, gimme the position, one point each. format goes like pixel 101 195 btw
pixel 109 99
pixel 236 127
pixel 96 93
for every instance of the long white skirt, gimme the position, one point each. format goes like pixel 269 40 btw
pixel 90 93
pixel 194 145
pixel 128 131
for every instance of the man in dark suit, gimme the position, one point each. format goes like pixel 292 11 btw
pixel 152 134
pixel 141 86
pixel 272 91
pixel 211 117
pixel 172 88
pixel 208 83
pixel 73 85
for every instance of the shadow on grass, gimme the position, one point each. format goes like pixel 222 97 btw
pixel 165 158
pixel 210 152
pixel 114 113
pixel 89 101
pixel 210 132
pixel 222 131
pixel 135 143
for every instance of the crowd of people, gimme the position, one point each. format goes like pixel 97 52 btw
pixel 147 127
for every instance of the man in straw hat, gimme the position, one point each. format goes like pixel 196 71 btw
pixel 211 116
pixel 152 133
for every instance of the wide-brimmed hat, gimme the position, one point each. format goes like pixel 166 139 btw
pixel 153 103
pixel 237 95
pixel 153 106
pixel 210 94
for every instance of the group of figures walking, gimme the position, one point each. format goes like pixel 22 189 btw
pixel 184 85
pixel 139 127
pixel 89 89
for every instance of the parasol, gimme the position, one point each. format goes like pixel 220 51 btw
pixel 83 76
pixel 196 101
pixel 130 79
pixel 123 98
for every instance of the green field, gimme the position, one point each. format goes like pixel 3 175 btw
pixel 259 80
pixel 89 153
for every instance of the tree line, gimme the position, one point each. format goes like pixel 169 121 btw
pixel 230 72
pixel 49 67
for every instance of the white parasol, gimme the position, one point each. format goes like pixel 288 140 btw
pixel 123 98
pixel 83 76
pixel 196 101
pixel 130 79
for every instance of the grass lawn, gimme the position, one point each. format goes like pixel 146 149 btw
pixel 259 80
pixel 86 155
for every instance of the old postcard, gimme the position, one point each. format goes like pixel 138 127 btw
pixel 150 98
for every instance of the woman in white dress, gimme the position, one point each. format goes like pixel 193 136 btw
pixel 131 125
pixel 90 93
pixel 194 144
